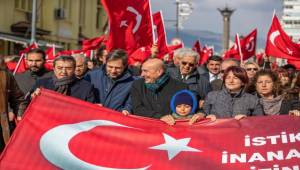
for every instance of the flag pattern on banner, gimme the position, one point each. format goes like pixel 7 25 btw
pixel 60 132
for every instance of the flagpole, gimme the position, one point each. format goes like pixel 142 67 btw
pixel 239 45
pixel 18 64
pixel 53 46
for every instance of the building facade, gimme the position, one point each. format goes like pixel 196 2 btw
pixel 291 18
pixel 62 22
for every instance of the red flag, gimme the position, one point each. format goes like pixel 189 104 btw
pixel 92 44
pixel 67 133
pixel 160 34
pixel 130 24
pixel 28 48
pixel 140 55
pixel 50 56
pixel 69 52
pixel 248 45
pixel 206 52
pixel 296 63
pixel 197 47
pixel 279 44
pixel 259 58
pixel 172 48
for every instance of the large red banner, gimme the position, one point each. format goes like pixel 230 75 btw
pixel 60 132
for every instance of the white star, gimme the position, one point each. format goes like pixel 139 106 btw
pixel 174 147
pixel 123 23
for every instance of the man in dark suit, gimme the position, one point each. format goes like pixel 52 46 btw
pixel 64 81
pixel 213 68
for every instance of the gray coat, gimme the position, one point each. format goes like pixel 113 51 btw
pixel 222 104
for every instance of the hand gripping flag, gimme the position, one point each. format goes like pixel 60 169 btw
pixel 279 44
pixel 60 132
pixel 130 24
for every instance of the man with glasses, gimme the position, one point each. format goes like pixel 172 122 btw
pixel 188 74
pixel 64 81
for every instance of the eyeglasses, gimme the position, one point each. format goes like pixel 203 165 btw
pixel 189 64
pixel 249 69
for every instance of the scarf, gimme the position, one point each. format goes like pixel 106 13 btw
pixel 158 83
pixel 62 85
pixel 177 116
pixel 272 106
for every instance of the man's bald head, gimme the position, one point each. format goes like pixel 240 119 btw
pixel 152 69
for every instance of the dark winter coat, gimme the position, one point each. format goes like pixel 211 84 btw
pixel 154 104
pixel 80 89
pixel 114 94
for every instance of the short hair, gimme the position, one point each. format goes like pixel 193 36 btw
pixel 118 54
pixel 215 58
pixel 64 58
pixel 237 62
pixel 38 51
pixel 253 63
pixel 183 52
pixel 237 71
pixel 277 90
pixel 85 59
pixel 100 50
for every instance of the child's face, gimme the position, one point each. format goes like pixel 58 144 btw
pixel 183 109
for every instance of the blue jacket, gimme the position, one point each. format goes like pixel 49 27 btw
pixel 80 89
pixel 114 94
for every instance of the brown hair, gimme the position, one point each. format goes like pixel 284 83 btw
pixel 237 71
pixel 277 90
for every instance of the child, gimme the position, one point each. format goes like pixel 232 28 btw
pixel 183 105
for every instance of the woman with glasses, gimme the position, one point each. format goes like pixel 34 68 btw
pixel 251 68
pixel 273 99
pixel 232 100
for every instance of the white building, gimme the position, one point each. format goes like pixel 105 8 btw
pixel 291 18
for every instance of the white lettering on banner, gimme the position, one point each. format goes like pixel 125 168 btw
pixel 258 157
pixel 277 167
pixel 283 138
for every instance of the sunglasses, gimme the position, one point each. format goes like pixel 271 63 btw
pixel 186 63
pixel 254 69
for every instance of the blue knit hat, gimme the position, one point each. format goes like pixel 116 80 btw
pixel 183 98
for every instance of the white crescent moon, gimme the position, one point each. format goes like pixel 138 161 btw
pixel 54 145
pixel 273 36
pixel 250 45
pixel 138 18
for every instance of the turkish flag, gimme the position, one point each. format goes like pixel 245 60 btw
pixel 172 48
pixel 130 24
pixel 296 63
pixel 69 52
pixel 139 55
pixel 206 52
pixel 197 47
pixel 60 132
pixel 161 38
pixel 28 48
pixel 21 65
pixel 279 44
pixel 92 44
pixel 248 45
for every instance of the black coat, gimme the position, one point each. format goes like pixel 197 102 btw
pixel 80 89
pixel 196 83
pixel 154 105
pixel 288 105
pixel 26 80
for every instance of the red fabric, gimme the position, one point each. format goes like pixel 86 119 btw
pixel 161 35
pixel 28 48
pixel 296 63
pixel 92 44
pixel 140 55
pixel 172 48
pixel 279 44
pixel 259 58
pixel 206 52
pixel 69 52
pixel 50 53
pixel 247 45
pixel 130 24
pixel 102 137
pixel 197 47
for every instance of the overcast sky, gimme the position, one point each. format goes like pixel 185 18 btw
pixel 249 14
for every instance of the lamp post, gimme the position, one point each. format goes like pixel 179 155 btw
pixel 33 21
pixel 226 13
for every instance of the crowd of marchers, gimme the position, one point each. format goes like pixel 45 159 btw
pixel 180 89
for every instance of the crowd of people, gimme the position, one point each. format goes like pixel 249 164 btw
pixel 222 88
